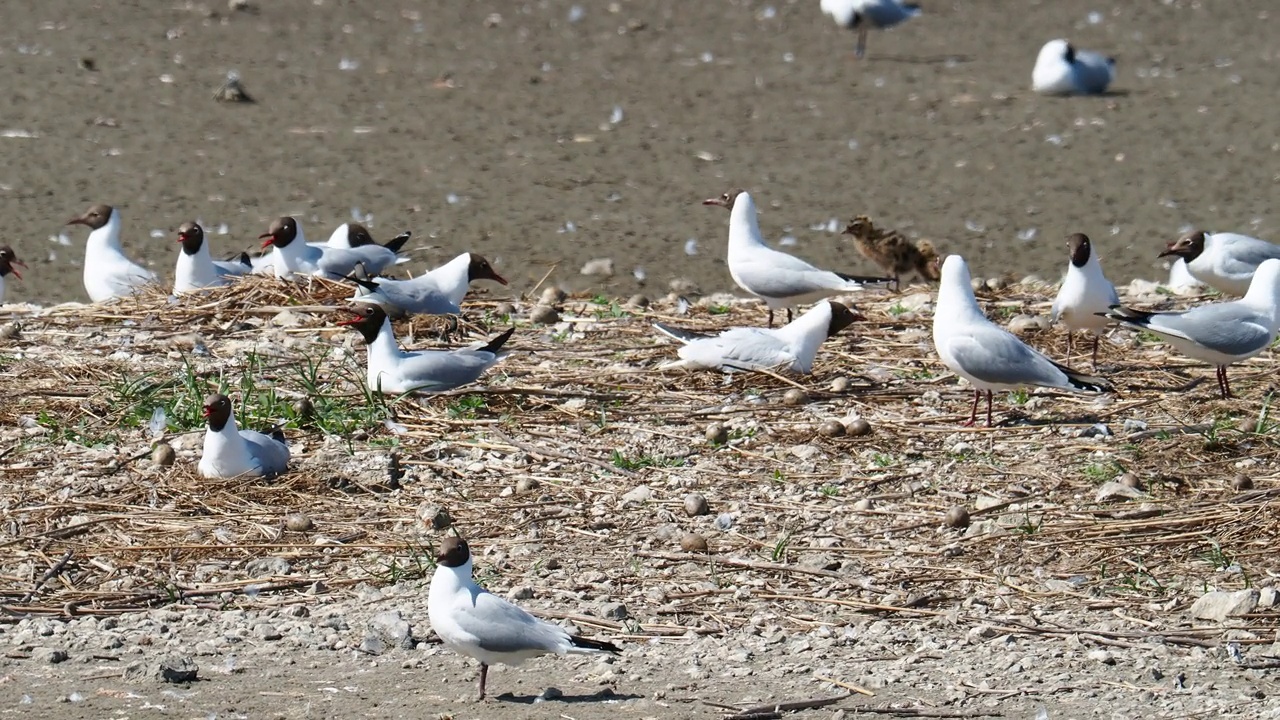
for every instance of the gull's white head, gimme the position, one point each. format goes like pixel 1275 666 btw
pixel 955 271
pixel 1265 285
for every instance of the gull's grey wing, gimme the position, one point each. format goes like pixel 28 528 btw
pixel 994 356
pixel 740 348
pixel 421 299
pixel 779 275
pixel 1094 71
pixel 887 13
pixel 441 370
pixel 1241 254
pixel 1228 328
pixel 501 627
pixel 271 454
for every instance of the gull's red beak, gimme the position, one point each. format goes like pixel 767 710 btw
pixel 351 321
pixel 205 411
pixel 713 201
pixel 77 221
pixel 269 238
pixel 182 237
pixel 13 268
pixel 1168 250
pixel 499 278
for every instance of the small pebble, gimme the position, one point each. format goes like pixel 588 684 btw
pixel 693 542
pixel 1130 480
pixel 717 434
pixel 958 517
pixel 840 384
pixel 544 315
pixel 526 484
pixel 304 408
pixel 858 428
pixel 163 455
pixel 795 396
pixel 638 301
pixel 695 504
pixel 1242 482
pixel 864 505
pixel 831 429
pixel 298 522
pixel 505 308
pixel 552 296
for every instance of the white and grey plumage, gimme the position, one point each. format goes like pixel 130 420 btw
pixel 196 269
pixel 393 371
pixel 474 622
pixel 1223 261
pixel 293 255
pixel 864 15
pixel 781 280
pixel 1085 292
pixel 791 347
pixel 230 452
pixel 987 355
pixel 107 272
pixel 1061 69
pixel 9 264
pixel 437 292
pixel 1221 333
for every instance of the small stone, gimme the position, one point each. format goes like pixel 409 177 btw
pixel 1249 425
pixel 393 629
pixel 48 655
pixel 695 504
pixel 639 301
pixel 239 5
pixel 1112 490
pixel 266 631
pixel 520 592
pixel 1103 656
pixel 10 331
pixel 858 428
pixel 602 267
pixel 1130 480
pixel 831 429
pixel 544 315
pixel 615 611
pixel 552 296
pixel 840 384
pixel 864 505
pixel 1241 482
pixel 177 669
pixel 1219 605
pixel 504 309
pixel 1268 597
pixel 526 484
pixel 795 396
pixel 683 286
pixel 958 517
pixel 286 318
pixel 804 452
pixel 1027 324
pixel 232 91
pixel 693 542
pixel 298 522
pixel 550 693
pixel 267 566
pixel 717 434
pixel 434 516
pixel 637 496
pixel 304 408
pixel 163 455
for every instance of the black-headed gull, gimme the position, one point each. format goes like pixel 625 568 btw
pixel 987 355
pixel 1223 261
pixel 393 371
pixel 781 280
pixel 436 292
pixel 9 264
pixel 293 255
pixel 474 622
pixel 196 268
pixel 230 452
pixel 1061 69
pixel 864 15
pixel 895 253
pixel 790 347
pixel 1222 333
pixel 1085 292
pixel 107 272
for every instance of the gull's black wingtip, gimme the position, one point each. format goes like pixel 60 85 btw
pixel 589 644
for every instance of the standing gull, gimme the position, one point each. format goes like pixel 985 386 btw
pixel 1221 333
pixel 9 264
pixel 864 15
pixel 1085 293
pixel 781 280
pixel 1223 261
pixel 474 622
pixel 107 272
pixel 1061 69
pixel 986 355
pixel 790 347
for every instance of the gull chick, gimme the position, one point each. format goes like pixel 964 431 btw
pixel 9 264
pixel 107 272
pixel 293 255
pixel 892 251
pixel 474 622
pixel 790 347
pixel 196 267
pixel 1224 261
pixel 1061 69
pixel 864 15
pixel 987 355
pixel 781 280
pixel 1085 293
pixel 1221 333
pixel 229 452
pixel 437 292
pixel 393 371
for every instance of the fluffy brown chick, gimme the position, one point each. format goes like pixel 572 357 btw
pixel 892 251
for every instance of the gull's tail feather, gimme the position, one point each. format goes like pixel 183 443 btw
pixel 1083 382
pixel 587 645
pixel 684 336
pixel 865 279
pixel 397 242
pixel 496 344
pixel 1127 315
pixel 370 285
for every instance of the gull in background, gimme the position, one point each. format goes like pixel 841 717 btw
pixel 987 355
pixel 436 292
pixel 9 264
pixel 781 280
pixel 196 268
pixel 1223 261
pixel 474 622
pixel 107 272
pixel 864 15
pixel 229 452
pixel 790 347
pixel 1061 69
pixel 393 371
pixel 1085 293
pixel 294 255
pixel 1221 333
